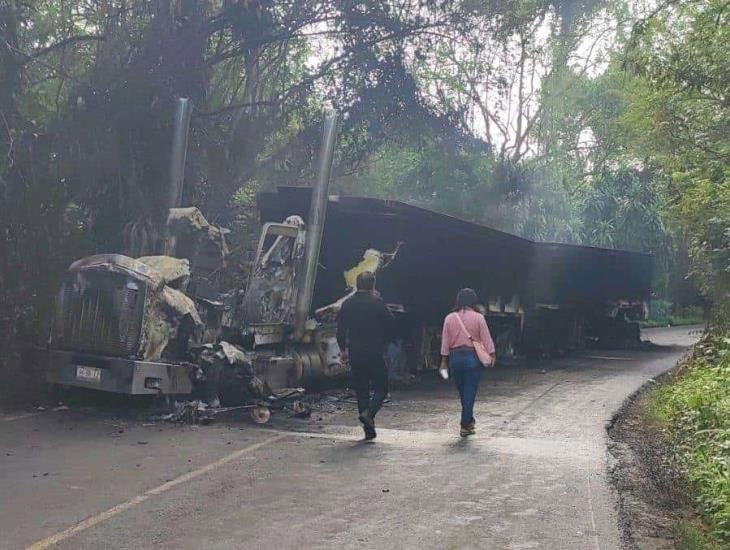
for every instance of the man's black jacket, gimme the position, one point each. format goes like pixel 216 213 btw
pixel 365 325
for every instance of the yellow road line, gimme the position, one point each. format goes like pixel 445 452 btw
pixel 139 499
pixel 18 416
pixel 609 358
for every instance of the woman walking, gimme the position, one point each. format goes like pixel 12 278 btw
pixel 464 330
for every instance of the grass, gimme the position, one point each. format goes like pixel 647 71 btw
pixel 691 535
pixel 662 313
pixel 694 411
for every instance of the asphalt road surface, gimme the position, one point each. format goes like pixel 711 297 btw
pixel 534 476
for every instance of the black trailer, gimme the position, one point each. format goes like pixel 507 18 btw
pixel 540 297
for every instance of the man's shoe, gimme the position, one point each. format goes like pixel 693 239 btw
pixel 367 420
pixel 370 434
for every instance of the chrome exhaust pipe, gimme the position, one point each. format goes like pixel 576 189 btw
pixel 315 223
pixel 181 128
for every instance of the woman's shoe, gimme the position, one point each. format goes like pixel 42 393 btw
pixel 467 430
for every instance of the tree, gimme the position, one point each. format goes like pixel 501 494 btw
pixel 87 91
pixel 679 119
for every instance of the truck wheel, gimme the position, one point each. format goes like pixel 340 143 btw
pixel 260 415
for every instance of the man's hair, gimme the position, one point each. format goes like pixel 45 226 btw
pixel 366 281
pixel 466 298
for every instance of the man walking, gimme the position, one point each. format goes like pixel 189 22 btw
pixel 363 331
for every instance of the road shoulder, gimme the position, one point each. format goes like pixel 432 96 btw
pixel 652 495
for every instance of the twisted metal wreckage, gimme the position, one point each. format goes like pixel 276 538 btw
pixel 162 324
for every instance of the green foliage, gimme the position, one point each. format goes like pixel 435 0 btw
pixel 468 184
pixel 457 183
pixel 622 208
pixel 696 411
pixel 704 212
pixel 663 313
pixel 689 535
pixel 678 119
pixel 645 144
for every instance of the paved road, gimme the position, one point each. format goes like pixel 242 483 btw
pixel 533 477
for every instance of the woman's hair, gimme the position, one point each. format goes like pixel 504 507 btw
pixel 365 281
pixel 466 297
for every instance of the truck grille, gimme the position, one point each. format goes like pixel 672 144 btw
pixel 99 312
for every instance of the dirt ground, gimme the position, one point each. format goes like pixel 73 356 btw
pixel 652 495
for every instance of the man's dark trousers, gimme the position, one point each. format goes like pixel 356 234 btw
pixel 369 371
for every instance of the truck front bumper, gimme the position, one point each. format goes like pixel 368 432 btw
pixel 116 374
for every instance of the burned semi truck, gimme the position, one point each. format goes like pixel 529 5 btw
pixel 162 324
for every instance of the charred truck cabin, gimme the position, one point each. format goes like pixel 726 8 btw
pixel 155 324
pixel 162 324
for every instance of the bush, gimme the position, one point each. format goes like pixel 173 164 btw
pixel 663 313
pixel 695 409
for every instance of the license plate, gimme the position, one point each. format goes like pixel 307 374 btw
pixel 88 374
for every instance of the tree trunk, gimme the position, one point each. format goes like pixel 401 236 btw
pixel 9 78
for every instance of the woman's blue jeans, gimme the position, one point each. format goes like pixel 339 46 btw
pixel 466 370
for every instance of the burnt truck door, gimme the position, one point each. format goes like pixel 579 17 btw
pixel 271 295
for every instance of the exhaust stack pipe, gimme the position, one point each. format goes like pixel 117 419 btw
pixel 181 127
pixel 179 151
pixel 315 223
